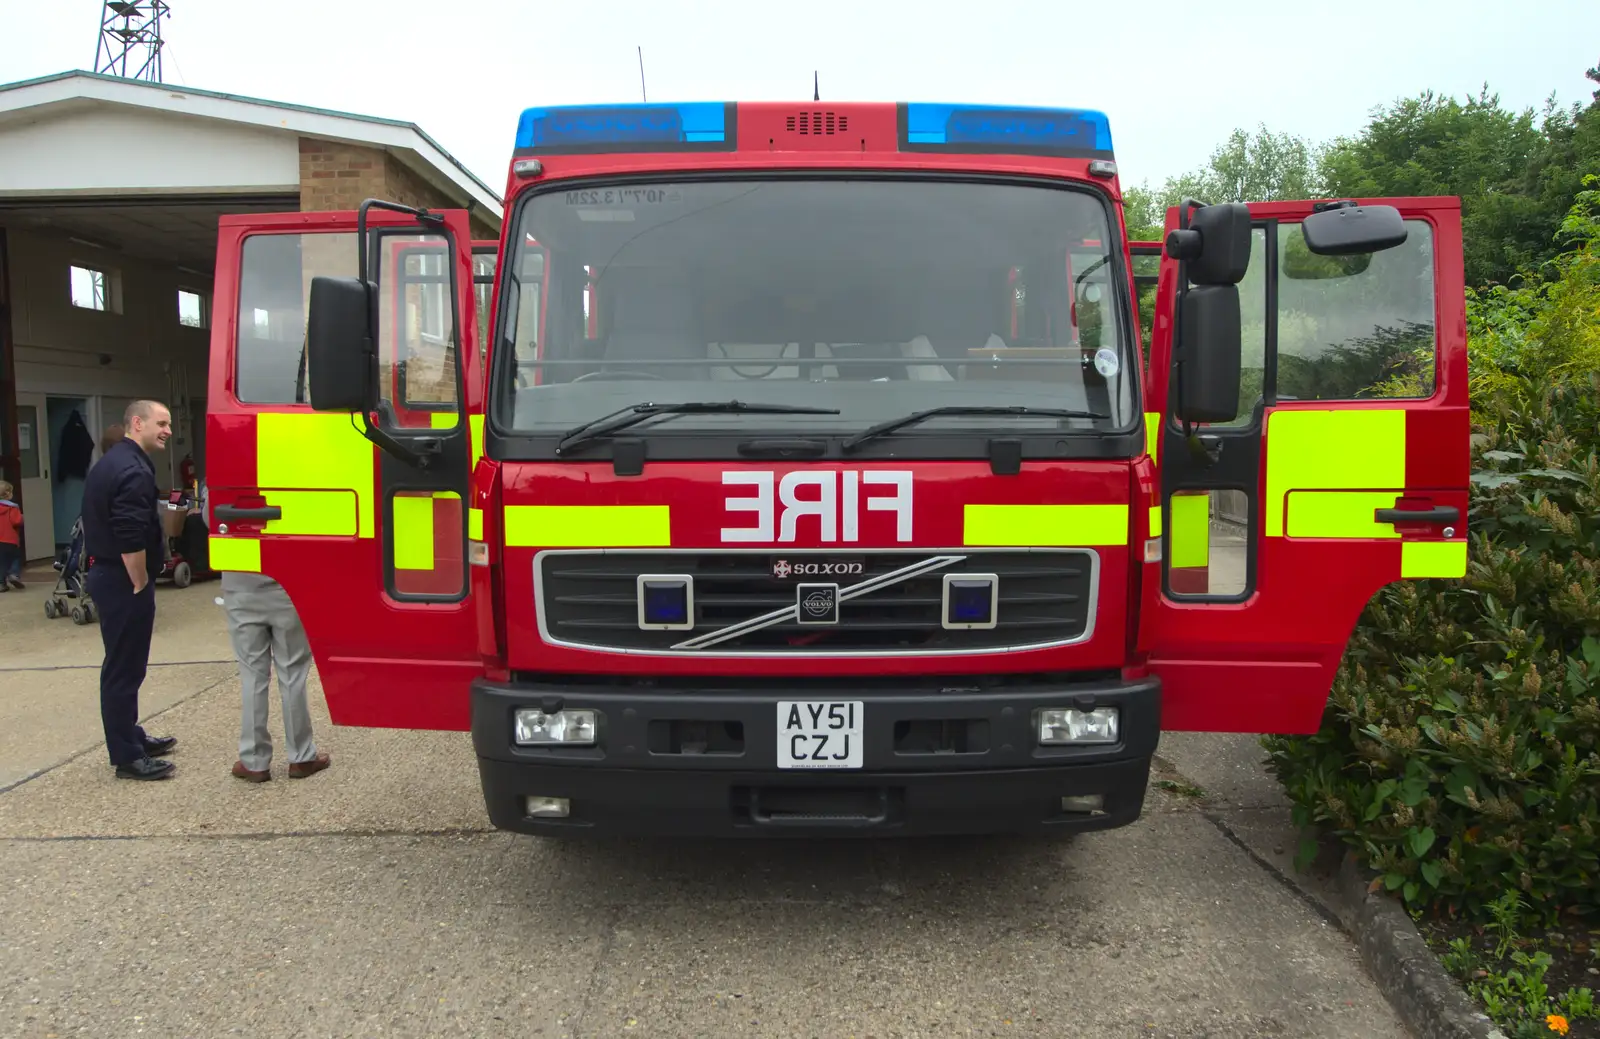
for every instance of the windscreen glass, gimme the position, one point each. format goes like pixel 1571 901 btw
pixel 877 298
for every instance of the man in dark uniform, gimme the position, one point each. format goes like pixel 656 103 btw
pixel 123 540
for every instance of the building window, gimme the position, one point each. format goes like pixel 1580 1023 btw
pixel 191 309
pixel 88 288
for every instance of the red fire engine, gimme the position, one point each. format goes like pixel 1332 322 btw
pixel 815 480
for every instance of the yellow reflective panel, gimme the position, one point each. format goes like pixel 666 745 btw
pixel 442 420
pixel 1155 521
pixel 1152 434
pixel 1433 559
pixel 303 455
pixel 241 555
pixel 475 524
pixel 588 526
pixel 1190 543
pixel 1046 525
pixel 1339 514
pixel 475 431
pixel 413 531
pixel 330 513
pixel 1330 450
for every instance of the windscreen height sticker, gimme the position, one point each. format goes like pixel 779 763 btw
pixel 1105 362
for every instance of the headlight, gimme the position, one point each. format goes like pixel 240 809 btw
pixel 535 728
pixel 1058 725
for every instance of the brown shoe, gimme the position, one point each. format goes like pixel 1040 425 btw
pixel 250 776
pixel 302 769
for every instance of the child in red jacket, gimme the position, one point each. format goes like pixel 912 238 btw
pixel 10 539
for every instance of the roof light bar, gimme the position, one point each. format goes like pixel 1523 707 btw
pixel 1081 133
pixel 627 128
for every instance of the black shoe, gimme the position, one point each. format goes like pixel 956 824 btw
pixel 155 746
pixel 145 768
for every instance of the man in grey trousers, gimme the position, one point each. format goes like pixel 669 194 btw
pixel 266 630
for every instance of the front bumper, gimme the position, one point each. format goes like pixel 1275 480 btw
pixel 936 758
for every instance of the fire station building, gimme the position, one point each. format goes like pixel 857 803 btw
pixel 110 190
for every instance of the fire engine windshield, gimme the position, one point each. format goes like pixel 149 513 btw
pixel 875 297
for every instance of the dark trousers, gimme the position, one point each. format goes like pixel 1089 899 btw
pixel 126 623
pixel 10 560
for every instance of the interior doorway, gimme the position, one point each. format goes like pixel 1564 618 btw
pixel 33 451
pixel 72 450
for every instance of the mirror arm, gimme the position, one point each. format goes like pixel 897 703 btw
pixel 419 456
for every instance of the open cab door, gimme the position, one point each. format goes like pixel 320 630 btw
pixel 340 447
pixel 1326 459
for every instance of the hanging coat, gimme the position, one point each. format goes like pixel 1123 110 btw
pixel 76 450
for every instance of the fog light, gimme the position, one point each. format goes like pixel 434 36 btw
pixel 1068 725
pixel 536 728
pixel 666 602
pixel 971 600
pixel 548 807
pixel 1084 803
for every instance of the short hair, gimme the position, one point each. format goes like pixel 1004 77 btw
pixel 140 409
pixel 6 490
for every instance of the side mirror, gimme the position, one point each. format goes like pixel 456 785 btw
pixel 1215 244
pixel 338 346
pixel 1208 358
pixel 1346 229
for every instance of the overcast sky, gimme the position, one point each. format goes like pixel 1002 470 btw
pixel 1174 78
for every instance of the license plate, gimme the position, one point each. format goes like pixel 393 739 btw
pixel 819 733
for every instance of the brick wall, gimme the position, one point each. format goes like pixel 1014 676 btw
pixel 341 176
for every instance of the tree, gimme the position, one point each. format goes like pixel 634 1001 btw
pixel 1258 166
pixel 1516 175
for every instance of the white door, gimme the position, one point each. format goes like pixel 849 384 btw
pixel 33 441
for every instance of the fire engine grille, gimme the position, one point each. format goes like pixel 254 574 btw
pixel 589 599
pixel 817 124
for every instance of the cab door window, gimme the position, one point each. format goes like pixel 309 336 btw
pixel 1355 327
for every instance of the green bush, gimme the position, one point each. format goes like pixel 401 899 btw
pixel 1460 749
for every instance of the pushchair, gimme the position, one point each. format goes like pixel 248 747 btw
pixel 71 568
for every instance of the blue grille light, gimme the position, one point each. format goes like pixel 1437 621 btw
pixel 1002 128
pixel 591 127
pixel 969 600
pixel 666 602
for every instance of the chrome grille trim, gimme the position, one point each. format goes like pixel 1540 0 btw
pixel 974 556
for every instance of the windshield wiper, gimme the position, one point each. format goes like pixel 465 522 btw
pixel 917 416
pixel 622 418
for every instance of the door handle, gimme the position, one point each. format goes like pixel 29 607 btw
pixel 1438 514
pixel 235 512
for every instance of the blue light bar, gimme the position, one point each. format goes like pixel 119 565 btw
pixel 619 128
pixel 1079 133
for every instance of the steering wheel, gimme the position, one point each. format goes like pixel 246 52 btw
pixel 617 373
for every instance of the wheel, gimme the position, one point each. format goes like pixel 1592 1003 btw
pixel 80 615
pixel 52 608
pixel 182 575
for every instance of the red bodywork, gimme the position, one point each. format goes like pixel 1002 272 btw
pixel 1261 665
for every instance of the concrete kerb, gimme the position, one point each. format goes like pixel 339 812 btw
pixel 1429 1001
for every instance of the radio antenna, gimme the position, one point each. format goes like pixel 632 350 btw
pixel 816 89
pixel 642 95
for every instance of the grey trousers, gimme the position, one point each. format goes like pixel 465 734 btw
pixel 265 631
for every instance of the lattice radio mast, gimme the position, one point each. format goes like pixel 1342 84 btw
pixel 131 29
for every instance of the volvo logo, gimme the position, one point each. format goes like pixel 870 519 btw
pixel 783 568
pixel 817 603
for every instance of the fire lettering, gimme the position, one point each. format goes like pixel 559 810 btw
pixel 828 501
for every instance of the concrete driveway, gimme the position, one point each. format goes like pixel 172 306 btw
pixel 373 899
